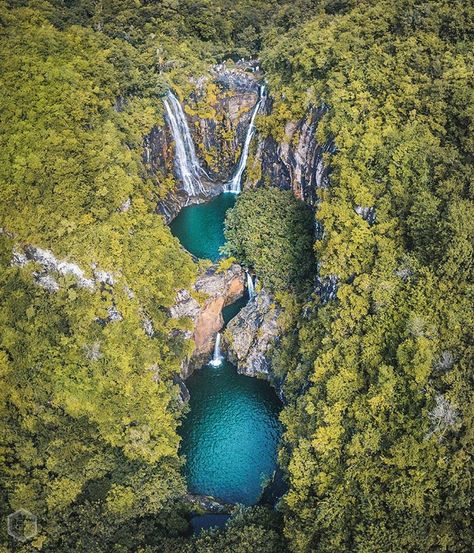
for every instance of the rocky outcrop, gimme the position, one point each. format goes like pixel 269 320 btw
pixel 207 504
pixel 297 162
pixel 367 213
pixel 250 335
pixel 218 113
pixel 49 268
pixel 212 291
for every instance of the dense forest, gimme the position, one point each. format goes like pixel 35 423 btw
pixel 378 440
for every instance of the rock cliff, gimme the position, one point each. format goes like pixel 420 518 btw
pixel 218 113
pixel 250 335
pixel 203 305
pixel 296 162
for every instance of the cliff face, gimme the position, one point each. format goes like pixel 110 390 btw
pixel 251 334
pixel 215 290
pixel 218 114
pixel 296 162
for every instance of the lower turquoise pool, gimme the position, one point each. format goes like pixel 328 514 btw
pixel 230 435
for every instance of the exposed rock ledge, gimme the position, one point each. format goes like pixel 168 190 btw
pixel 251 334
pixel 220 289
pixel 208 504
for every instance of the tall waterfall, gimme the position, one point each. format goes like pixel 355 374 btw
pixel 234 185
pixel 217 356
pixel 250 286
pixel 187 165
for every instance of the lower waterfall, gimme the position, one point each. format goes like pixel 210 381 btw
pixel 250 285
pixel 217 356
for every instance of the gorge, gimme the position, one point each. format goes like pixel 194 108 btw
pixel 231 433
pixel 236 253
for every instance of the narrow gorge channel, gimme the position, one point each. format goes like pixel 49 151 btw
pixel 231 432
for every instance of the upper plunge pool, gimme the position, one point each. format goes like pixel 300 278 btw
pixel 200 227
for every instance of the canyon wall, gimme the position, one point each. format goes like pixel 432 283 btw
pixel 218 113
pixel 212 291
pixel 296 162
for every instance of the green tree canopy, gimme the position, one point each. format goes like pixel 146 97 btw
pixel 271 232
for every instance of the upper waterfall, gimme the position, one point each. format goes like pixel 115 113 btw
pixel 187 164
pixel 234 185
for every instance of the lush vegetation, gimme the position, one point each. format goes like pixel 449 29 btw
pixel 89 403
pixel 379 419
pixel 378 445
pixel 249 530
pixel 270 231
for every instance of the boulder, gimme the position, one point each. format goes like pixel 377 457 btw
pixel 218 289
pixel 251 334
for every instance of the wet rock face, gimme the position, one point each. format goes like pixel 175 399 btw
pixel 218 122
pixel 219 290
pixel 251 334
pixel 296 163
pixel 220 139
pixel 183 396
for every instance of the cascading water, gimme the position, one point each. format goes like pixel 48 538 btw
pixel 232 417
pixel 235 185
pixel 250 286
pixel 187 164
pixel 217 356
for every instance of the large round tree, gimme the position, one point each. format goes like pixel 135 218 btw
pixel 271 231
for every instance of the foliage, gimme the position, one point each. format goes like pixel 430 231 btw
pixel 380 422
pixel 247 531
pixel 225 263
pixel 271 231
pixel 89 406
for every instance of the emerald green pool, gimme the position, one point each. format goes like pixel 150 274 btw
pixel 231 433
pixel 200 227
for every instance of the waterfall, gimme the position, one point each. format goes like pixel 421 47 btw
pixel 187 165
pixel 234 185
pixel 217 356
pixel 250 286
